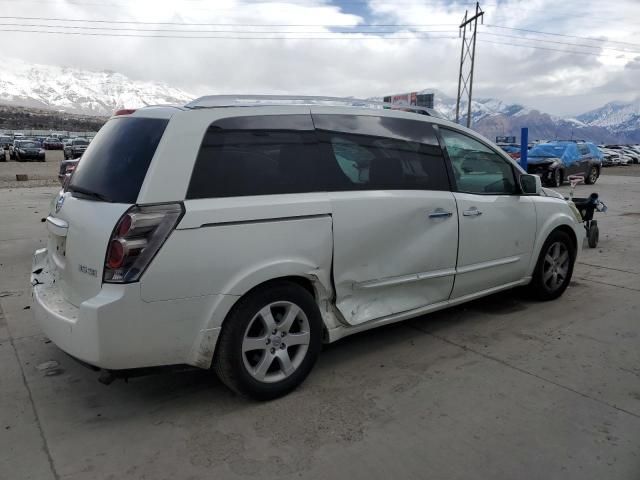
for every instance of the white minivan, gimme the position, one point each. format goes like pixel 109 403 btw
pixel 240 235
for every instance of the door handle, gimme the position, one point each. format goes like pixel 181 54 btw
pixel 472 212
pixel 440 213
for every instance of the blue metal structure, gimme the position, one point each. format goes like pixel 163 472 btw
pixel 524 147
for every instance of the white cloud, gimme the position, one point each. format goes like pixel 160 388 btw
pixel 556 82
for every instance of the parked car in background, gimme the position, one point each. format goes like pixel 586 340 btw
pixel 53 143
pixel 5 142
pixel 554 162
pixel 283 226
pixel 511 149
pixel 75 148
pixel 24 150
pixel 627 155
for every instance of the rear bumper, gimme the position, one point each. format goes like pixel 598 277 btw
pixel 117 330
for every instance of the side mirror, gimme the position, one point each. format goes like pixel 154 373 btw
pixel 530 184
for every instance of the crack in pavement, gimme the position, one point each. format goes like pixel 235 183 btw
pixel 607 268
pixel 608 284
pixel 526 372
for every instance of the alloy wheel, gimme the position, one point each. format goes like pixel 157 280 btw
pixel 276 341
pixel 555 268
pixel 593 176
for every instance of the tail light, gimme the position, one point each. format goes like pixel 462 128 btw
pixel 138 236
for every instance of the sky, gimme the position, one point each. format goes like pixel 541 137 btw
pixel 358 48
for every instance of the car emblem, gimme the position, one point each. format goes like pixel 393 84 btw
pixel 59 203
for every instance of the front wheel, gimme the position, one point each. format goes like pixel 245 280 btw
pixel 592 176
pixel 555 266
pixel 556 179
pixel 270 341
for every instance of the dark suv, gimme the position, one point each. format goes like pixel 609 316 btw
pixel 75 148
pixel 554 162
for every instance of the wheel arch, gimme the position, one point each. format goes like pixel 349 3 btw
pixel 312 280
pixel 560 221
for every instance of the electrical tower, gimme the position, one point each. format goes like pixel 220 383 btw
pixel 467 60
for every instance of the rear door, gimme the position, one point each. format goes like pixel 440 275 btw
pixel 105 184
pixel 585 156
pixel 497 225
pixel 395 226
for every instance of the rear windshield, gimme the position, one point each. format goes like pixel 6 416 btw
pixel 80 142
pixel 114 165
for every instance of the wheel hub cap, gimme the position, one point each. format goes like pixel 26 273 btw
pixel 556 266
pixel 276 342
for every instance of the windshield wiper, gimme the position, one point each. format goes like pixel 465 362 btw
pixel 89 194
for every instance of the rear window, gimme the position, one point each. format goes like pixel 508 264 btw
pixel 80 142
pixel 115 163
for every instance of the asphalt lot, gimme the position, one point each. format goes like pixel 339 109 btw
pixel 500 388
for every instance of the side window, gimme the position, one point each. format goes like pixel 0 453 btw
pixel 376 153
pixel 476 167
pixel 261 155
pixel 583 149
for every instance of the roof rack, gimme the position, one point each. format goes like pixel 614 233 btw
pixel 215 101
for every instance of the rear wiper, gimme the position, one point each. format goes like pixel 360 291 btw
pixel 89 194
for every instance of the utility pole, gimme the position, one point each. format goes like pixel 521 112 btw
pixel 467 56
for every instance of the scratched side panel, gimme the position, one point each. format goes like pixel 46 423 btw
pixel 388 235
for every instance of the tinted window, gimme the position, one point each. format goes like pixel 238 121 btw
pixel 115 163
pixel 377 153
pixel 262 155
pixel 583 149
pixel 477 168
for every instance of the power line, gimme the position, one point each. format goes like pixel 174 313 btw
pixel 561 35
pixel 78 27
pixel 604 47
pixel 137 22
pixel 549 49
pixel 226 37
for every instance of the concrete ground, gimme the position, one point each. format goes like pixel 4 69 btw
pixel 501 388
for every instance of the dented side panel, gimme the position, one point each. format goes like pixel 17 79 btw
pixel 390 254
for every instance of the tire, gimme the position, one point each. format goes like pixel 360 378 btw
pixel 593 235
pixel 260 373
pixel 549 286
pixel 556 179
pixel 592 177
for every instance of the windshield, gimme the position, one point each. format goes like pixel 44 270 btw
pixel 115 163
pixel 547 151
pixel 80 142
pixel 28 145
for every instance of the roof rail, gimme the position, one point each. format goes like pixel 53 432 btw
pixel 214 101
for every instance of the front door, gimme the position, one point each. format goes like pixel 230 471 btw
pixel 395 225
pixel 497 225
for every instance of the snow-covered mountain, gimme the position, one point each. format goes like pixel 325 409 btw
pixel 616 122
pixel 480 107
pixel 79 91
pixel 100 93
pixel 616 116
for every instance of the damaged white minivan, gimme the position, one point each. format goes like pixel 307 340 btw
pixel 240 234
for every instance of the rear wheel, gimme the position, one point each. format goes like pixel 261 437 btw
pixel 555 266
pixel 593 236
pixel 592 176
pixel 270 341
